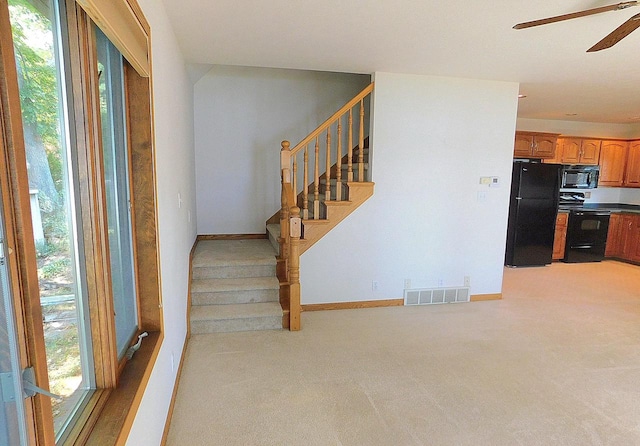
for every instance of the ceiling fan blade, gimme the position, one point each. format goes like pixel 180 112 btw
pixel 617 34
pixel 575 15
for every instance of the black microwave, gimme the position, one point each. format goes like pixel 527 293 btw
pixel 580 177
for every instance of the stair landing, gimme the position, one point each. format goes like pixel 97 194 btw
pixel 234 287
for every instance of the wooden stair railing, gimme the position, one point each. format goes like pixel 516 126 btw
pixel 293 216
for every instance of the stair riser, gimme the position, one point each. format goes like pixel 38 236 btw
pixel 273 239
pixel 230 325
pixel 229 272
pixel 234 297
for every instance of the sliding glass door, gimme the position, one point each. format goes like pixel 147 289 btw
pixel 12 414
pixel 39 35
pixel 77 176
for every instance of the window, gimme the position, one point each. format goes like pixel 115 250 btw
pixel 116 175
pixel 83 275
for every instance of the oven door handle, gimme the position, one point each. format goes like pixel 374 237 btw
pixel 594 214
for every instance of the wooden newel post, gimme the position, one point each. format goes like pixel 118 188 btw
pixel 285 160
pixel 295 228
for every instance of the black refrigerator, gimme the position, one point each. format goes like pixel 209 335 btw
pixel 533 209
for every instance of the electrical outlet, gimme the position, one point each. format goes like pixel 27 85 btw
pixel 374 286
pixel 440 282
pixel 467 281
pixel 407 284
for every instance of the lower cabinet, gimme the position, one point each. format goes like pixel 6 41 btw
pixel 613 236
pixel 623 239
pixel 560 238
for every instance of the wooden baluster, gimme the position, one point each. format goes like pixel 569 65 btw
pixel 361 144
pixel 350 148
pixel 327 175
pixel 339 162
pixel 294 269
pixel 316 184
pixel 305 185
pixel 294 179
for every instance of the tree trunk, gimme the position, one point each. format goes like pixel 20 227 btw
pixel 38 168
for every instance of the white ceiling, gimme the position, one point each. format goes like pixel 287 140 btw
pixel 471 39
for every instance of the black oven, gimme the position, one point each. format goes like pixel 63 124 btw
pixel 586 235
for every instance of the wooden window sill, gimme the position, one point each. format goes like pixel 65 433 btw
pixel 111 420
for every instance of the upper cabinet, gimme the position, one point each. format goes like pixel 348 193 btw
pixel 619 160
pixel 579 150
pixel 632 171
pixel 612 163
pixel 535 145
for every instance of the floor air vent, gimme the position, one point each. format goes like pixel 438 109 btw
pixel 424 296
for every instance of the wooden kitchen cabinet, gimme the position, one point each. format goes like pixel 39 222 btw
pixel 613 236
pixel 634 241
pixel 613 155
pixel 560 238
pixel 557 158
pixel 535 145
pixel 590 151
pixel 579 150
pixel 570 148
pixel 623 238
pixel 632 171
pixel 626 235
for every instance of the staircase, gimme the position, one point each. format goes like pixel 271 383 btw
pixel 321 202
pixel 331 212
pixel 234 287
pixel 240 285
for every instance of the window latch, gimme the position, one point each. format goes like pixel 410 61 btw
pixel 134 348
pixel 1 252
pixel 29 387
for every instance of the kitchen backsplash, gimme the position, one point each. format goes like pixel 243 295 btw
pixel 613 195
pixel 630 196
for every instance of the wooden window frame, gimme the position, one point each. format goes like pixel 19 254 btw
pixel 108 414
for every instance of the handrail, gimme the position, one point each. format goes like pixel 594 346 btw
pixel 291 219
pixel 368 89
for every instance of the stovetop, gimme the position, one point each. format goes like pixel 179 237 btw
pixel 574 201
pixel 571 200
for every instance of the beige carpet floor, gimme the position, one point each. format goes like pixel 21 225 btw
pixel 555 362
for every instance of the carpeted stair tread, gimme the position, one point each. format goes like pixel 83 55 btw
pixel 211 253
pixel 235 284
pixel 234 287
pixel 235 311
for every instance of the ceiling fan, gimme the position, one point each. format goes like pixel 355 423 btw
pixel 614 37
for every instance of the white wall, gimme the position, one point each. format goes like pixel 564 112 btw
pixel 241 116
pixel 432 140
pixel 173 108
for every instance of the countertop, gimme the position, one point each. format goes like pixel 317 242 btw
pixel 614 208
